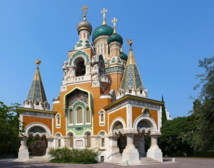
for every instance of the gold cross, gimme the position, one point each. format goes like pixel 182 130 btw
pixel 84 8
pixel 104 11
pixel 104 15
pixel 114 21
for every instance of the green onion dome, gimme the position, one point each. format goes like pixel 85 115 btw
pixel 115 37
pixel 102 30
pixel 123 56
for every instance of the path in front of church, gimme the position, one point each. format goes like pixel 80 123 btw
pixel 179 163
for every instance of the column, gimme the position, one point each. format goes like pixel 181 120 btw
pixel 130 154
pixel 154 151
pixel 23 154
pixel 113 150
pixel 140 144
pixel 50 145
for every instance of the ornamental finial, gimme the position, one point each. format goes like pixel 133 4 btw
pixel 84 9
pixel 38 62
pixel 129 42
pixel 104 11
pixel 114 21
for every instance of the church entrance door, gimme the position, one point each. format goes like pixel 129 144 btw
pixel 37 142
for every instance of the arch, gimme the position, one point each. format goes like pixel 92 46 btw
pixel 71 139
pixel 83 90
pixel 58 120
pixel 77 55
pixel 88 139
pixel 102 133
pixel 37 124
pixel 118 119
pixel 58 136
pixel 146 112
pixel 148 119
pixel 79 62
pixel 79 111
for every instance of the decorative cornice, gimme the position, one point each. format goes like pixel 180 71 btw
pixel 35 110
pixel 131 97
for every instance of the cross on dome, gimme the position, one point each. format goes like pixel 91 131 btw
pixel 114 21
pixel 84 9
pixel 104 11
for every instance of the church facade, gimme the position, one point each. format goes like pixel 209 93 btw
pixel 102 103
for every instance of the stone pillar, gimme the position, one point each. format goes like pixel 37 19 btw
pixel 130 154
pixel 154 151
pixel 113 150
pixel 140 144
pixel 23 154
pixel 50 140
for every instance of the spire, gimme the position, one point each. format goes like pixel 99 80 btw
pixel 104 11
pixel 84 9
pixel 114 21
pixel 131 81
pixel 37 92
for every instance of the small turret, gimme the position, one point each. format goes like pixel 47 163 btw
pixel 36 98
pixel 84 30
pixel 100 36
pixel 131 81
pixel 115 41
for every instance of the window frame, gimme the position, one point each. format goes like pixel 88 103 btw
pixel 102 113
pixel 58 117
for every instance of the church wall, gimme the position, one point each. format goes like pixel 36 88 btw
pixel 98 104
pixel 137 111
pixel 116 80
pixel 119 113
pixel 29 120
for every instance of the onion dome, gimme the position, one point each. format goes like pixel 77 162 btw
pixel 102 30
pixel 84 25
pixel 115 38
pixel 123 56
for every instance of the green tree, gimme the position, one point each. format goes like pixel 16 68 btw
pixel 203 109
pixel 176 138
pixel 9 129
pixel 164 119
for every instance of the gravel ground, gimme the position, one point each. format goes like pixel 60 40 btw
pixel 179 163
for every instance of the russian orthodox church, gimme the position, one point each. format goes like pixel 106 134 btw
pixel 102 103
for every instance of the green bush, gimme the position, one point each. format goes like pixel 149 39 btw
pixel 65 155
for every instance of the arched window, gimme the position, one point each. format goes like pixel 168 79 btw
pixel 88 115
pixel 80 67
pixel 144 124
pixel 146 112
pixel 102 118
pixel 58 121
pixel 102 138
pixel 88 139
pixel 70 116
pixel 79 114
pixel 71 140
pixel 58 140
pixel 118 125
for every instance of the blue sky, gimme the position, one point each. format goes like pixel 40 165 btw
pixel 169 38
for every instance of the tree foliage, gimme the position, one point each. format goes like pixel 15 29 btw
pixel 193 135
pixel 203 109
pixel 9 129
pixel 177 137
pixel 164 119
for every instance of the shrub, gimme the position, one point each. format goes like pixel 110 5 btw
pixel 65 155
